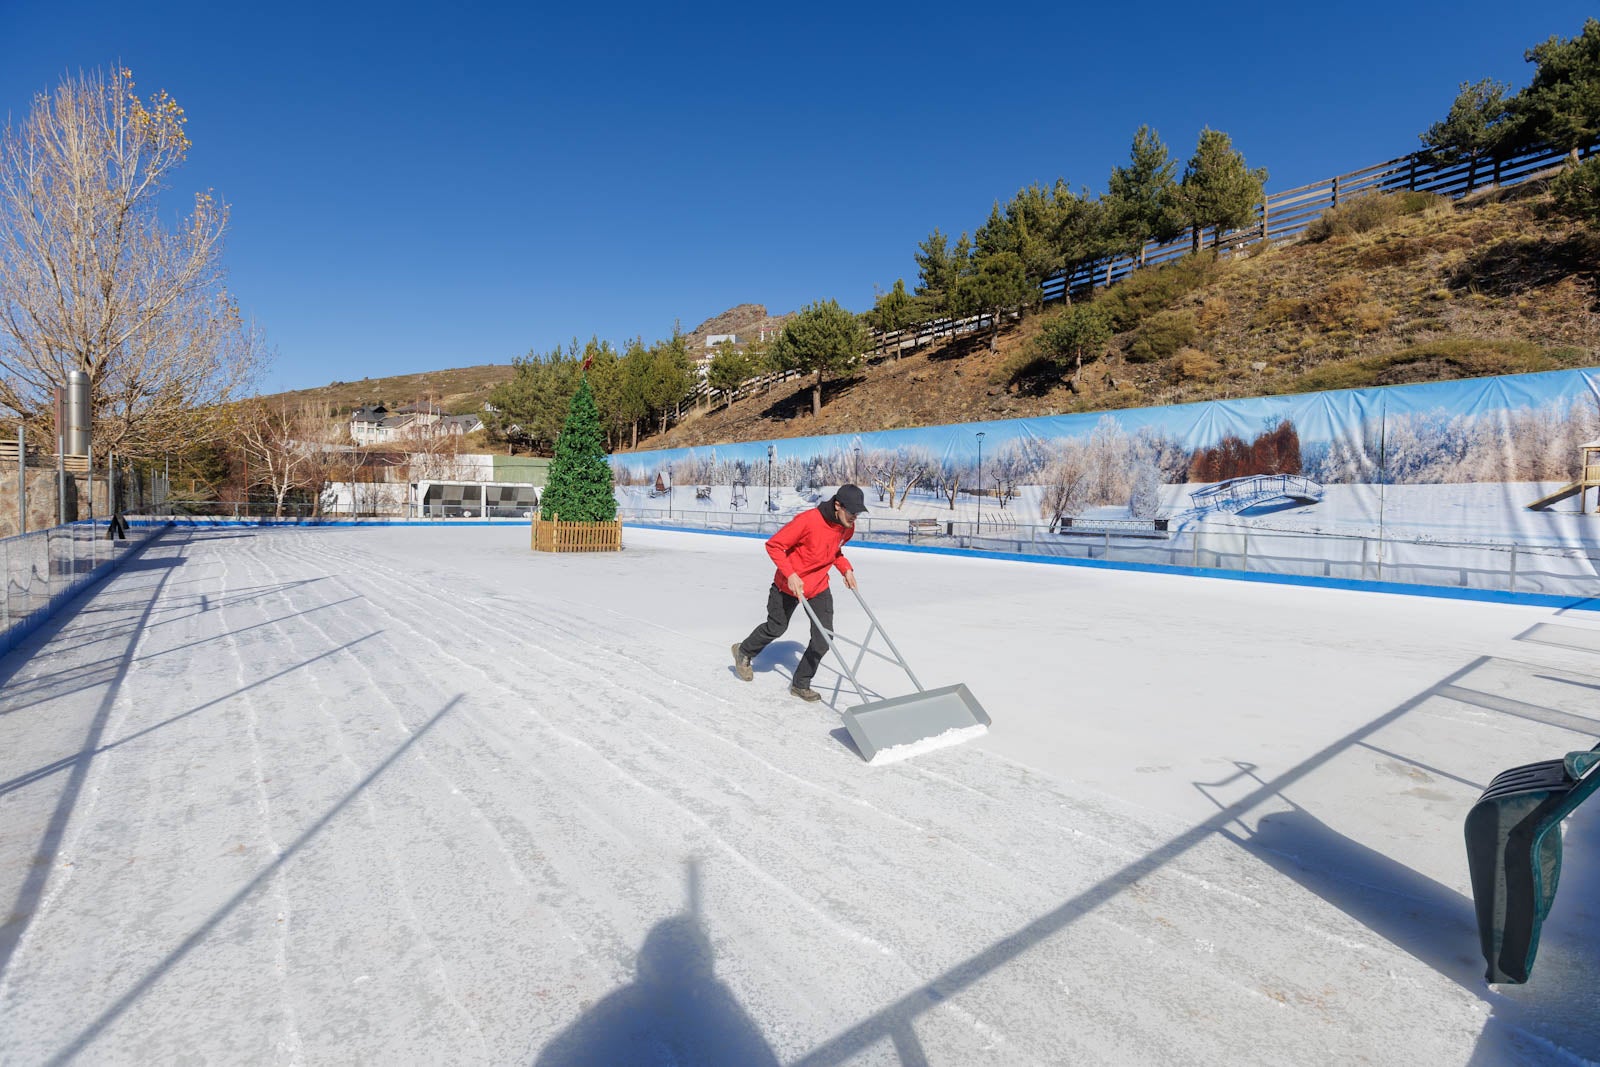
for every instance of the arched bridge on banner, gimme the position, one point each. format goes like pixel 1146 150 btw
pixel 1237 494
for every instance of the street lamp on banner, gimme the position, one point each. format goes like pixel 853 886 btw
pixel 858 464
pixel 771 450
pixel 980 481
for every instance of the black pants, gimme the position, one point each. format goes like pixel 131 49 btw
pixel 780 608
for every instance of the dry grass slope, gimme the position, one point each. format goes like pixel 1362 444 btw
pixel 1414 290
pixel 459 390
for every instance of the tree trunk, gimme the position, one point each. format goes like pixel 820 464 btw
pixel 816 396
pixel 994 329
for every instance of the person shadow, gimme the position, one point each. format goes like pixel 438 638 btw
pixel 675 1012
pixel 780 657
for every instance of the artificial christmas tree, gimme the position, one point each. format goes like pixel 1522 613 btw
pixel 578 511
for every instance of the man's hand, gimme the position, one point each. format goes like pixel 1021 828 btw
pixel 797 586
pixel 850 579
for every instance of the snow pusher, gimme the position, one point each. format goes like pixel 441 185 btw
pixel 1514 855
pixel 898 727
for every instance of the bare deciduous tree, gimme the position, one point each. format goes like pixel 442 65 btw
pixel 285 443
pixel 92 280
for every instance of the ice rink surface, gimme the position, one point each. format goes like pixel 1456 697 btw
pixel 419 796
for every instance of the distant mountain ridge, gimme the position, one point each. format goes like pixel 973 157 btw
pixel 747 321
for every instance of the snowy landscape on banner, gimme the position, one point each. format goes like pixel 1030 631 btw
pixel 1449 461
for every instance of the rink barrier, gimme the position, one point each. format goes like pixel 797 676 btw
pixel 46 569
pixel 1152 543
pixel 1568 601
pixel 200 522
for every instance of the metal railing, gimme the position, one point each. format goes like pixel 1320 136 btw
pixel 46 568
pixel 268 513
pixel 1507 567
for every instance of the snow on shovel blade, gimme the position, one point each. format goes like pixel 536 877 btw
pixel 900 727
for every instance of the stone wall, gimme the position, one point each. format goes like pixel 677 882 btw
pixel 42 490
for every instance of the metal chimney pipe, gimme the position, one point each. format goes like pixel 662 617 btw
pixel 78 430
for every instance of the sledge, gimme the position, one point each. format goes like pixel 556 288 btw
pixel 893 729
pixel 1514 855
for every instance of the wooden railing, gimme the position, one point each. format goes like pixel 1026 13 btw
pixel 1286 214
pixel 558 536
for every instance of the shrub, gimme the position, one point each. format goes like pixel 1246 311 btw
pixel 1370 315
pixel 1577 191
pixel 1331 307
pixel 1075 335
pixel 1161 336
pixel 1369 211
pixel 1278 311
pixel 1145 292
pixel 1214 311
pixel 1191 364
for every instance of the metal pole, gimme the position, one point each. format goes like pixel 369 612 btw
pixel 22 482
pixel 89 455
pixel 111 485
pixel 61 482
pixel 979 526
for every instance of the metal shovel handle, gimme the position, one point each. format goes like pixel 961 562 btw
pixel 834 639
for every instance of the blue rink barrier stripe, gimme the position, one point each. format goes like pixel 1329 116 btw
pixel 1441 592
pixel 203 523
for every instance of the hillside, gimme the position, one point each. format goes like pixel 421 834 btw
pixel 465 389
pixel 1412 289
pixel 458 390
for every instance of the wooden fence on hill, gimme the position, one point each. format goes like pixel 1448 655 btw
pixel 1283 216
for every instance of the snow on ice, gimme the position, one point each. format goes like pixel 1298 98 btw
pixel 417 795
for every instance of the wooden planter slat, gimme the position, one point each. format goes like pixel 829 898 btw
pixel 558 536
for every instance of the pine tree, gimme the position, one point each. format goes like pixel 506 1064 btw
pixel 1142 198
pixel 1218 191
pixel 823 338
pixel 1478 127
pixel 1561 105
pixel 580 478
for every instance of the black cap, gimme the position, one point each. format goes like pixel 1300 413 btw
pixel 849 498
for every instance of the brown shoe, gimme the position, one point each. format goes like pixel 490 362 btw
pixel 805 692
pixel 741 665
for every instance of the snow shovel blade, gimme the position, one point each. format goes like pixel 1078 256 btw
pixel 945 716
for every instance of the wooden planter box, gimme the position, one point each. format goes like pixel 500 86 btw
pixel 558 536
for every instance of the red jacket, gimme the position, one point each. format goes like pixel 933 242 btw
pixel 808 545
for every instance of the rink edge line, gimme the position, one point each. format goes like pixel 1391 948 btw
pixel 1438 592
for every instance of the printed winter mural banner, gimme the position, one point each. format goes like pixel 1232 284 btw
pixel 1448 462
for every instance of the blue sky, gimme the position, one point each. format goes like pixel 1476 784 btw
pixel 418 186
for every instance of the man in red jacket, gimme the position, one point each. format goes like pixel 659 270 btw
pixel 804 550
